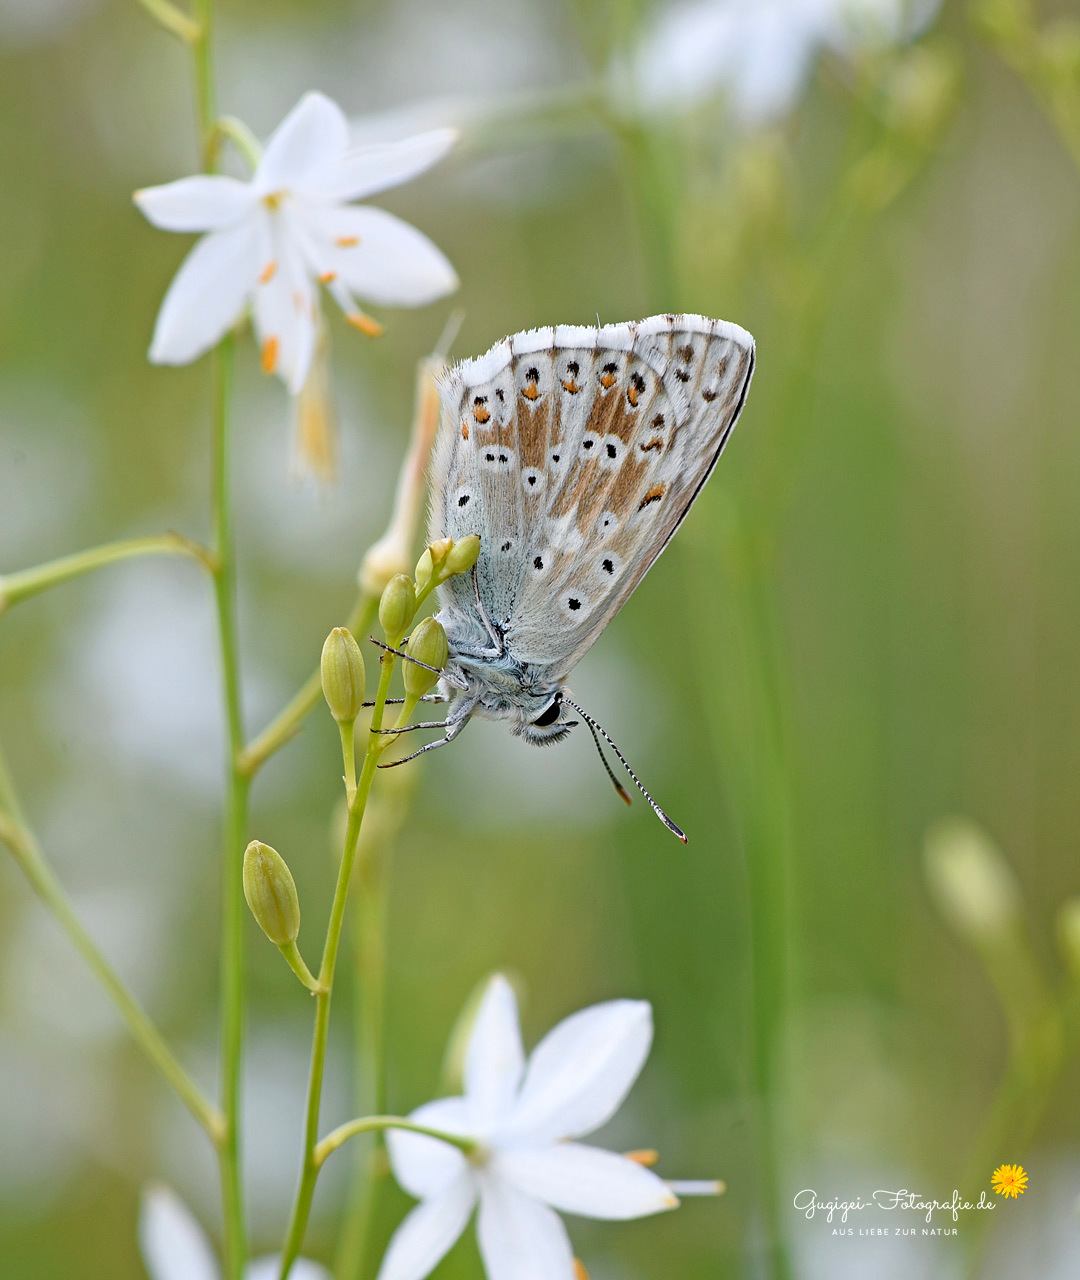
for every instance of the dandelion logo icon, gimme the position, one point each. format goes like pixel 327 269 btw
pixel 1009 1180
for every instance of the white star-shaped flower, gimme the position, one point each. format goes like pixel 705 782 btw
pixel 523 1118
pixel 760 52
pixel 271 241
pixel 174 1247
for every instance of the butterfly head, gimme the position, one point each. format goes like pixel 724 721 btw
pixel 546 725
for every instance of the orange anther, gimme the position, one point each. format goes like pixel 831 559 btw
pixel 579 1270
pixel 268 272
pixel 372 328
pixel 270 354
pixel 347 242
pixel 645 1157
pixel 327 277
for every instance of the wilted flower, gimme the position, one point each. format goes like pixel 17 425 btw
pixel 760 55
pixel 522 1116
pixel 272 240
pixel 174 1247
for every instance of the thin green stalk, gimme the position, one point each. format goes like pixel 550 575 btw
pixel 287 724
pixel 237 786
pixel 173 19
pixel 379 1124
pixel 16 587
pixel 310 1170
pixel 19 839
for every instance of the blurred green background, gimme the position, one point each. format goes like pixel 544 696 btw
pixel 868 621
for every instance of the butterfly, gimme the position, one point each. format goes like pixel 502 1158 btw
pixel 574 453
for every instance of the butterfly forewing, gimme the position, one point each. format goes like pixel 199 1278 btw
pixel 575 453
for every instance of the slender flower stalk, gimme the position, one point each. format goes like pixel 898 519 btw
pixel 22 585
pixel 20 840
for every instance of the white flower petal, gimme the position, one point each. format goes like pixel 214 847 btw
pixel 772 66
pixel 172 1242
pixel 585 1180
pixel 201 203
pixel 424 1166
pixel 378 256
pixel 520 1238
pixel 495 1057
pixel 269 1268
pixel 207 295
pixel 365 170
pixel 427 1233
pixel 581 1071
pixel 285 309
pixel 311 138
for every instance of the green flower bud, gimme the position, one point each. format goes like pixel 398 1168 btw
pixel 462 556
pixel 426 644
pixel 397 606
pixel 974 885
pixel 424 569
pixel 343 675
pixel 440 549
pixel 271 893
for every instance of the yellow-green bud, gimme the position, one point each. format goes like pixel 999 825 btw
pixel 1068 932
pixel 343 675
pixel 440 549
pixel 426 644
pixel 271 893
pixel 974 885
pixel 424 570
pixel 397 606
pixel 462 555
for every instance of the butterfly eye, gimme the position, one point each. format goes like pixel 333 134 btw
pixel 549 715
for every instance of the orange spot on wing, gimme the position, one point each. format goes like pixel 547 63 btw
pixel 464 431
pixel 371 328
pixel 347 242
pixel 654 443
pixel 653 495
pixel 571 386
pixel 270 350
pixel 268 272
pixel 632 396
pixel 481 414
pixel 607 381
pixel 531 391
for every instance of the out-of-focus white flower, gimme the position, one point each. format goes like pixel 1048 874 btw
pixel 174 1247
pixel 759 53
pixel 271 241
pixel 522 1116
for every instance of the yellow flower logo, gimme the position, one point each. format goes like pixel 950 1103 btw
pixel 1009 1180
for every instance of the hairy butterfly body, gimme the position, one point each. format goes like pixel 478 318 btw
pixel 574 453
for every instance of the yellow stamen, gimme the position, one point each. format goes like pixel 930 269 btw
pixel 327 277
pixel 645 1157
pixel 269 353
pixel 347 242
pixel 372 328
pixel 268 273
pixel 579 1270
pixel 272 201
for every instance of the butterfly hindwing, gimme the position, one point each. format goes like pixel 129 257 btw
pixel 578 451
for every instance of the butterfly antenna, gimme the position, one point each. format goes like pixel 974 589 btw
pixel 595 727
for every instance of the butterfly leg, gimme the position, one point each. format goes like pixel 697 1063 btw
pixel 451 733
pixel 408 728
pixel 396 702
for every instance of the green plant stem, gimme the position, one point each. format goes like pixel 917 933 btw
pixel 310 1170
pixel 173 19
pixel 16 587
pixel 348 755
pixel 19 839
pixel 237 785
pixel 287 724
pixel 296 963
pixel 378 1124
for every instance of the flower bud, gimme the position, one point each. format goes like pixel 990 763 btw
pixel 343 675
pixel 424 570
pixel 426 644
pixel 974 885
pixel 463 556
pixel 440 549
pixel 397 606
pixel 1068 932
pixel 271 893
